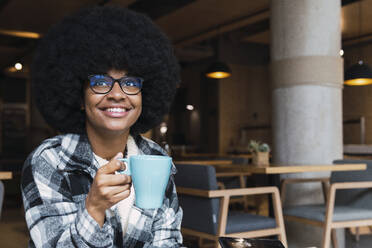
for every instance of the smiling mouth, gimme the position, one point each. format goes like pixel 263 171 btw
pixel 117 110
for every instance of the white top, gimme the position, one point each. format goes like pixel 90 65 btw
pixel 123 207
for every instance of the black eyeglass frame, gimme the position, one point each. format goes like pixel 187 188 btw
pixel 139 82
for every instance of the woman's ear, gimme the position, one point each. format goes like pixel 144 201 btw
pixel 82 100
pixel 82 104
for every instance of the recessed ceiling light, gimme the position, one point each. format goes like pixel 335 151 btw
pixel 190 107
pixel 18 66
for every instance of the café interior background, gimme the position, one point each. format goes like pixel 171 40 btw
pixel 208 115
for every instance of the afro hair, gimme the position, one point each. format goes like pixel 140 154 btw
pixel 95 40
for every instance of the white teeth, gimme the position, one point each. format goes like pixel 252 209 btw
pixel 116 110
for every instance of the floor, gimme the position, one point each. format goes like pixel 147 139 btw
pixel 13 229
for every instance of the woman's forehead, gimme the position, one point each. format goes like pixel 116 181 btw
pixel 116 73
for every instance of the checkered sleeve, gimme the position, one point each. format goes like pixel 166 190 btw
pixel 167 223
pixel 53 217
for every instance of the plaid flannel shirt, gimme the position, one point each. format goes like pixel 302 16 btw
pixel 56 179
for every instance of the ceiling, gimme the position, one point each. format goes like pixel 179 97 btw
pixel 187 22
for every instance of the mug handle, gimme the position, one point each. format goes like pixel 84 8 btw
pixel 127 170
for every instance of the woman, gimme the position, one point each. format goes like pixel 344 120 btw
pixel 100 77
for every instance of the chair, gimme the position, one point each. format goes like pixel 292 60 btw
pixel 2 192
pixel 230 180
pixel 348 202
pixel 206 211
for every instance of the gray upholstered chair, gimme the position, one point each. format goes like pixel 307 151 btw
pixel 348 202
pixel 231 180
pixel 206 208
pixel 2 191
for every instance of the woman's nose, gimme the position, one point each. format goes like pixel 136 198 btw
pixel 116 91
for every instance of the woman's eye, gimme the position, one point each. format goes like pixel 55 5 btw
pixel 130 83
pixel 102 83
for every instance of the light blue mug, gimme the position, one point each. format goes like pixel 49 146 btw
pixel 150 175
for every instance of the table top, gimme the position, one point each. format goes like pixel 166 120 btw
pixel 205 162
pixel 283 169
pixel 199 155
pixel 214 155
pixel 4 175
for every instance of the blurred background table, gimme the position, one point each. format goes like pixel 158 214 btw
pixel 4 175
pixel 212 162
pixel 284 169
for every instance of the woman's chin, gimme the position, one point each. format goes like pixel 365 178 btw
pixel 117 130
pixel 110 129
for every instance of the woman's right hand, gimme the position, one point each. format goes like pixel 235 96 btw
pixel 107 189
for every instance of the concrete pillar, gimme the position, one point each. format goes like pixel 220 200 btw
pixel 307 77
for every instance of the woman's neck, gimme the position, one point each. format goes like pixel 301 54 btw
pixel 107 145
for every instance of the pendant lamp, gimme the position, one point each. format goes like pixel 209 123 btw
pixel 218 70
pixel 358 74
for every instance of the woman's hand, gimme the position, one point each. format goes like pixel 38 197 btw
pixel 107 189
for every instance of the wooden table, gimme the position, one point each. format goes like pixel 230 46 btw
pixel 283 169
pixel 200 155
pixel 240 156
pixel 206 162
pixel 5 175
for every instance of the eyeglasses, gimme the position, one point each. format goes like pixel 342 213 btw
pixel 103 84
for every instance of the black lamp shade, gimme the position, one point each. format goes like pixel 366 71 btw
pixel 358 74
pixel 218 70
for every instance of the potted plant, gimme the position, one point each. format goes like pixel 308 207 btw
pixel 260 152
